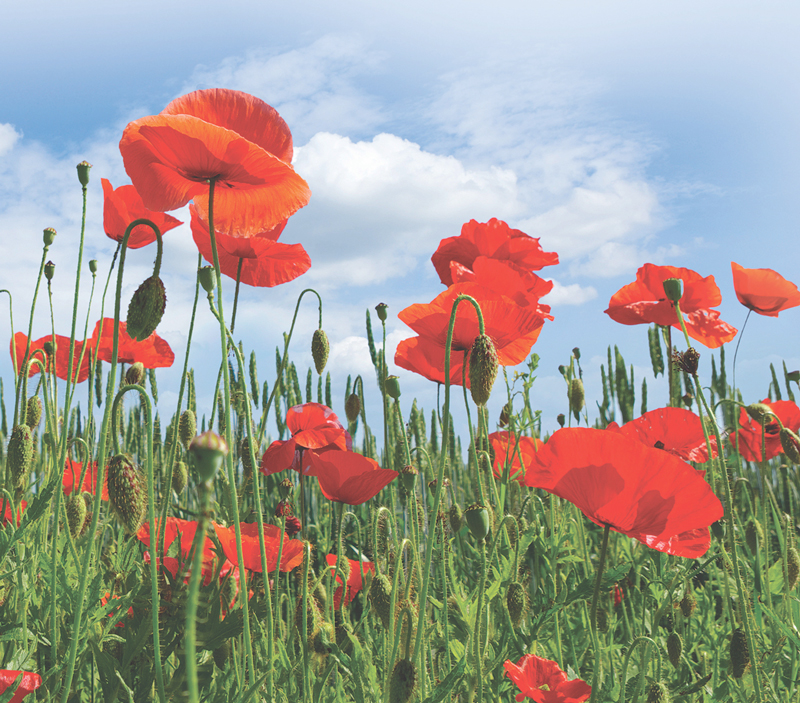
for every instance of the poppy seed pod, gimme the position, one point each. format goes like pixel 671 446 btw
pixel 673 289
pixel 135 374
pixel 561 419
pixel 33 415
pixel 146 308
pixel 180 476
pixel 482 368
pixel 49 236
pixel 320 348
pixel 49 270
pixel 207 277
pixel 403 681
pixel 127 492
pixel 83 173
pixel 285 488
pixel 209 450
pixel 392 387
pixel 740 654
pixel 352 407
pixel 477 517
pixel 790 443
pixel 381 309
pixel 187 428
pixel 20 454
pixel 93 266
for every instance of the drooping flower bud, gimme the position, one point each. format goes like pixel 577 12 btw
pixel 208 278
pixel 76 514
pixel 455 516
pixel 352 407
pixel 477 517
pixel 20 454
pixel 180 476
pixel 561 419
pixel 790 443
pixel 754 536
pixel 688 604
pixel 135 374
pixel 83 173
pixel 380 598
pixel 576 397
pixel 408 476
pixel 33 415
pixel 673 289
pixel 222 654
pixel 320 348
pixel 49 270
pixel 758 411
pixel 146 308
pixel 482 368
pixel 49 236
pixel 127 492
pixel 403 681
pixel 740 654
pixel 517 602
pixel 187 428
pixel 392 387
pixel 381 309
pixel 576 352
pixel 209 450
pixel 674 649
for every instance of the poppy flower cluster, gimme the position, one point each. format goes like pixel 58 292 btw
pixel 644 302
pixel 494 264
pixel 543 681
pixel 747 440
pixel 641 491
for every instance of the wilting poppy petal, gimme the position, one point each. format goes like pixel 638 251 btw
pixel 153 352
pixel 493 239
pixel 675 430
pixel 642 492
pixel 748 440
pixel 62 355
pixel 29 683
pixel 543 681
pixel 350 478
pixel 123 205
pixel 355 582
pixel 264 262
pixel 291 557
pixel 524 447
pixel 763 290
pixel 72 474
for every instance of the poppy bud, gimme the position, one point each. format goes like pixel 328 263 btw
pixel 482 368
pixel 403 681
pixel 718 529
pixel 758 411
pixel 561 419
pixel 380 598
pixel 49 236
pixel 688 604
pixel 517 602
pixel 222 654
pixel 740 654
pixel 20 454
pixel 127 492
pixel 792 567
pixel 576 352
pixel 381 309
pixel 49 347
pixel 180 476
pixel 320 347
pixel 505 414
pixel 83 173
pixel 392 387
pixel 93 266
pixel 33 415
pixel 76 514
pixel 352 407
pixel 208 278
pixel 674 649
pixel 49 270
pixel 187 428
pixel 455 517
pixel 209 450
pixel 477 517
pixel 754 536
pixel 285 488
pixel 292 525
pixel 146 308
pixel 135 374
pixel 790 443
pixel 673 289
pixel 687 399
pixel 576 397
pixel 408 475
pixel 657 693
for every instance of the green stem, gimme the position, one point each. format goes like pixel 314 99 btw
pixel 597 677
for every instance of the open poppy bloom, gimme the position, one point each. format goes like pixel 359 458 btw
pixel 123 205
pixel 61 354
pixel 348 477
pixel 264 262
pixel 314 427
pixel 675 430
pixel 153 352
pixel 644 302
pixel 643 492
pixel 184 531
pixel 524 287
pixel 9 511
pixel 291 557
pixel 747 440
pixel 72 474
pixel 513 329
pixel 543 681
pixel 29 683
pixel 229 136
pixel 493 239
pixel 522 447
pixel 355 582
pixel 763 290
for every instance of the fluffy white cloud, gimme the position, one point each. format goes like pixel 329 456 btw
pixel 572 294
pixel 8 137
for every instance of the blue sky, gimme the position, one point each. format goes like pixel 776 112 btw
pixel 619 132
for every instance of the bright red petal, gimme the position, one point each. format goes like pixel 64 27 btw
pixel 764 291
pixel 350 478
pixel 153 352
pixel 123 205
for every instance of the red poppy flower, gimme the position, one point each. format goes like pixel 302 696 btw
pixel 61 354
pixel 314 427
pixel 184 530
pixel 524 287
pixel 494 239
pixel 543 681
pixel 30 682
pixel 640 491
pixel 747 441
pixel 291 557
pixel 8 512
pixel 123 205
pixel 619 594
pixel 676 430
pixel 72 474
pixel 513 329
pixel 104 601
pixel 763 290
pixel 223 134
pixel 644 302
pixel 153 352
pixel 355 582
pixel 350 478
pixel 525 447
pixel 265 262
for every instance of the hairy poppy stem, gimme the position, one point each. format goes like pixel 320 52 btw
pixel 597 676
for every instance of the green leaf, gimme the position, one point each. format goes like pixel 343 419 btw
pixel 444 689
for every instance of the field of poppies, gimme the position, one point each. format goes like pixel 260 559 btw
pixel 272 548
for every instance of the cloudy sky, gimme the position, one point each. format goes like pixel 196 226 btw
pixel 619 133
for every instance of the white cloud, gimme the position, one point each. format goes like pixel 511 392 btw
pixel 8 137
pixel 572 294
